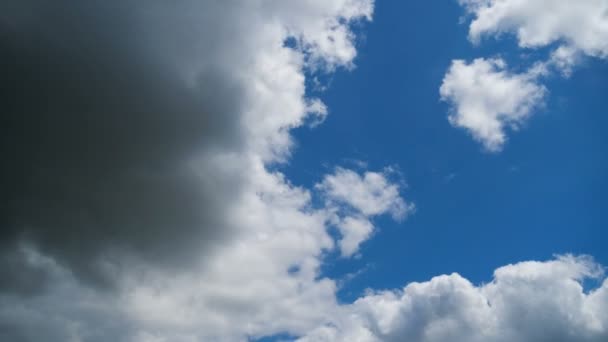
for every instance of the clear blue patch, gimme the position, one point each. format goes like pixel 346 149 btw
pixel 545 194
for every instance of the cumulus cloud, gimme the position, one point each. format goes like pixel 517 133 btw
pixel 577 29
pixel 355 199
pixel 354 231
pixel 138 203
pixel 371 193
pixel 528 301
pixel 582 25
pixel 487 98
pixel 263 281
pixel 129 129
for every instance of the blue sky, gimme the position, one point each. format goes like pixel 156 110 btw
pixel 545 193
pixel 310 171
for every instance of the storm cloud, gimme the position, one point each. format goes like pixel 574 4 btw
pixel 136 138
pixel 104 142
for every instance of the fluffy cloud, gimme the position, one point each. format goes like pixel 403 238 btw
pixel 494 98
pixel 370 193
pixel 487 98
pixel 354 231
pixel 138 202
pixel 528 301
pixel 263 281
pixel 355 199
pixel 582 25
pixel 137 137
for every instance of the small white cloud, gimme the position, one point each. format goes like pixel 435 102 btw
pixel 317 110
pixel 581 24
pixel 371 193
pixel 486 98
pixel 354 231
pixel 356 198
pixel 564 58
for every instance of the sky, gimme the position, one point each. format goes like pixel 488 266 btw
pixel 320 170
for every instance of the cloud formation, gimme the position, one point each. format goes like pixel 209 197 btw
pixel 130 129
pixel 371 193
pixel 355 199
pixel 576 29
pixel 528 301
pixel 263 281
pixel 139 205
pixel 137 138
pixel 486 98
pixel 581 25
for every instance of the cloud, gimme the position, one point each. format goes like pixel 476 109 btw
pixel 104 141
pixel 582 25
pixel 495 97
pixel 263 281
pixel 139 205
pixel 371 193
pixel 528 301
pixel 130 129
pixel 486 98
pixel 579 28
pixel 355 199
pixel 354 231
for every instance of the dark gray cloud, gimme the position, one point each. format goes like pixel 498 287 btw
pixel 102 142
pixel 21 275
pixel 137 205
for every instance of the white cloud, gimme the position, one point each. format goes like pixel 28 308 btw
pixel 581 24
pixel 355 199
pixel 370 193
pixel 354 231
pixel 528 301
pixel 487 98
pixel 496 98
